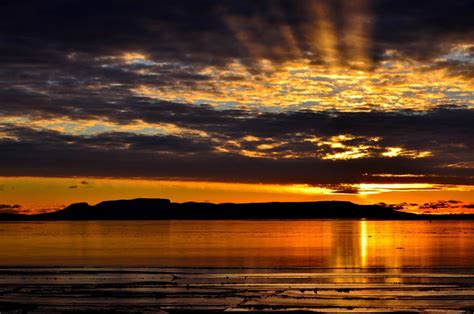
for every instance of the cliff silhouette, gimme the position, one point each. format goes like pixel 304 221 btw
pixel 164 209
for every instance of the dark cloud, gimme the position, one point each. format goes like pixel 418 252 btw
pixel 10 209
pixel 443 132
pixel 213 32
pixel 423 28
pixel 435 207
pixel 342 189
pixel 3 206
pixel 444 205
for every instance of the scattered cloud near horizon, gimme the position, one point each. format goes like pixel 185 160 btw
pixel 10 209
pixel 46 194
pixel 435 207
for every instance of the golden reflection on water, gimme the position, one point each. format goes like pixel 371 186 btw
pixel 317 243
pixel 363 243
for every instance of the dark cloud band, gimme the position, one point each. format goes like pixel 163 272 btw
pixel 443 132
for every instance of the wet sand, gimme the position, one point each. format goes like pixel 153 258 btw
pixel 49 290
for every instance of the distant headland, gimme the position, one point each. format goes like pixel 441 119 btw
pixel 164 209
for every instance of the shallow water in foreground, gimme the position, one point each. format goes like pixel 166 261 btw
pixel 169 266
pixel 164 290
pixel 295 243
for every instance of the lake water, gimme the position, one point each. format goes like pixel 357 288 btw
pixel 306 265
pixel 252 244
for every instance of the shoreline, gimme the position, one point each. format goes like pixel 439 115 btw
pixel 231 289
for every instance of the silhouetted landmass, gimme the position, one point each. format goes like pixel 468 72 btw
pixel 163 209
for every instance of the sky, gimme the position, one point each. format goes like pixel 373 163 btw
pixel 237 101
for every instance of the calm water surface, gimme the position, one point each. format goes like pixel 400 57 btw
pixel 297 243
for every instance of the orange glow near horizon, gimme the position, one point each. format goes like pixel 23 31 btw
pixel 38 194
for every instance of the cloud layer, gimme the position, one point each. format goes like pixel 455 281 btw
pixel 290 147
pixel 300 92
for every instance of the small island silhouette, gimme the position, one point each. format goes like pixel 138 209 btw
pixel 164 209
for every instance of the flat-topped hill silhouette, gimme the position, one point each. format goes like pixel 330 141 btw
pixel 163 209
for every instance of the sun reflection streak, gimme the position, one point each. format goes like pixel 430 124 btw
pixel 363 243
